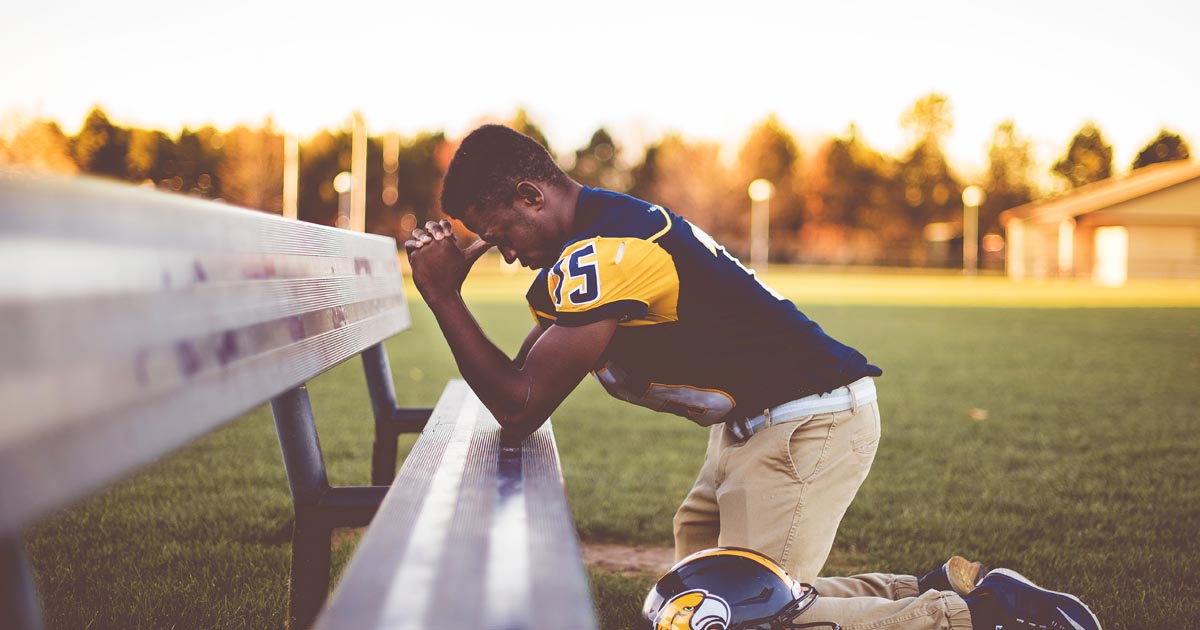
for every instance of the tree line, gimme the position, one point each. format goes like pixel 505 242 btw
pixel 843 202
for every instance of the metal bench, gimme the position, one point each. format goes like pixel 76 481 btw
pixel 478 536
pixel 136 321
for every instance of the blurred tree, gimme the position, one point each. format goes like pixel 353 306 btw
pixel 857 186
pixel 644 177
pixel 596 164
pixel 930 190
pixel 770 152
pixel 930 118
pixel 99 148
pixel 1088 159
pixel 1167 147
pixel 1009 181
pixel 148 155
pixel 381 218
pixel 40 146
pixel 855 213
pixel 252 169
pixel 322 157
pixel 524 124
pixel 690 179
pixel 420 179
pixel 193 164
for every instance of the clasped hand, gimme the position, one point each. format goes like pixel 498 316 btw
pixel 438 265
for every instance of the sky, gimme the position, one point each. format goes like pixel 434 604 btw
pixel 639 68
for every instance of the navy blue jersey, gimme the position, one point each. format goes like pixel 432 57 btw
pixel 698 335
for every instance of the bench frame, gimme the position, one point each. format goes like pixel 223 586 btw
pixel 321 508
pixel 255 305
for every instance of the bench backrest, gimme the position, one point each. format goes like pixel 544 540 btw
pixel 133 321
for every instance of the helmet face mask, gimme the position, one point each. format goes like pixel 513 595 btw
pixel 727 588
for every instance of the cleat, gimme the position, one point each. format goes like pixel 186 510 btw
pixel 1007 600
pixel 958 575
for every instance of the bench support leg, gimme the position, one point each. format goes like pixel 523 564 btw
pixel 305 467
pixel 309 584
pixel 18 596
pixel 320 508
pixel 390 421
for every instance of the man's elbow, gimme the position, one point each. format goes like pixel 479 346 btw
pixel 514 412
pixel 522 408
pixel 522 419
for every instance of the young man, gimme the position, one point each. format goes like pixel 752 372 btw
pixel 663 317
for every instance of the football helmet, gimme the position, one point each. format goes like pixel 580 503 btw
pixel 728 588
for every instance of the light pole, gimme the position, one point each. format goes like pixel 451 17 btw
pixel 972 196
pixel 291 175
pixel 342 183
pixel 358 173
pixel 760 192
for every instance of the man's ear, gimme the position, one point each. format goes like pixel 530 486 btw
pixel 531 194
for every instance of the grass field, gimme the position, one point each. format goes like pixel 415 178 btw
pixel 1083 476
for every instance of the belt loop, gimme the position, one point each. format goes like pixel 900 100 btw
pixel 853 398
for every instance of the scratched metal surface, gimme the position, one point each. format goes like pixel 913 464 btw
pixel 472 535
pixel 133 321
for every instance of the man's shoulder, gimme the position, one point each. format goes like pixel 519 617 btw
pixel 616 215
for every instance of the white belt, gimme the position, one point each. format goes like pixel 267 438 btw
pixel 844 398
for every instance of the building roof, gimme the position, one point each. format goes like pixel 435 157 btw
pixel 1106 192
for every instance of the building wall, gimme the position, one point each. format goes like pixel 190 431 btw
pixel 1164 232
pixel 1085 249
pixel 1164 251
pixel 1164 237
pixel 1031 251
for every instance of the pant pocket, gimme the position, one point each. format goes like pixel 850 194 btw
pixel 865 439
pixel 808 445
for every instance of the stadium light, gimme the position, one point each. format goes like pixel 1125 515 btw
pixel 972 197
pixel 342 183
pixel 760 192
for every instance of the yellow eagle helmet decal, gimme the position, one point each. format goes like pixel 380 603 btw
pixel 694 610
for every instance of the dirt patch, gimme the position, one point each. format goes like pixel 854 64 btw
pixel 635 560
pixel 628 559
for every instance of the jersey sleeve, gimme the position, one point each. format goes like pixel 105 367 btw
pixel 540 305
pixel 630 279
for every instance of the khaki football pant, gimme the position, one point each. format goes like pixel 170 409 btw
pixel 784 492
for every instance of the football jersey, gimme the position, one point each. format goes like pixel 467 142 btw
pixel 697 335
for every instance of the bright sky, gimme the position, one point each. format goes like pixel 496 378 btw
pixel 639 68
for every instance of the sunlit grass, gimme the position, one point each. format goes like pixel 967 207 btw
pixel 1082 476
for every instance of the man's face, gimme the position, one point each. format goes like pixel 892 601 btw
pixel 516 232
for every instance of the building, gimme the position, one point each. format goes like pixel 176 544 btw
pixel 1144 225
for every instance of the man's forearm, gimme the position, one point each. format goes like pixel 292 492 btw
pixel 498 382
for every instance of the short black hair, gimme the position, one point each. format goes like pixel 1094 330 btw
pixel 488 165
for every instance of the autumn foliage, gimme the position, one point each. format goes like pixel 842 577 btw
pixel 836 201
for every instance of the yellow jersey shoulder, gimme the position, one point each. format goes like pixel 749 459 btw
pixel 633 278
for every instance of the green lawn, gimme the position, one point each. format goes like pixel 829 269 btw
pixel 1083 477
